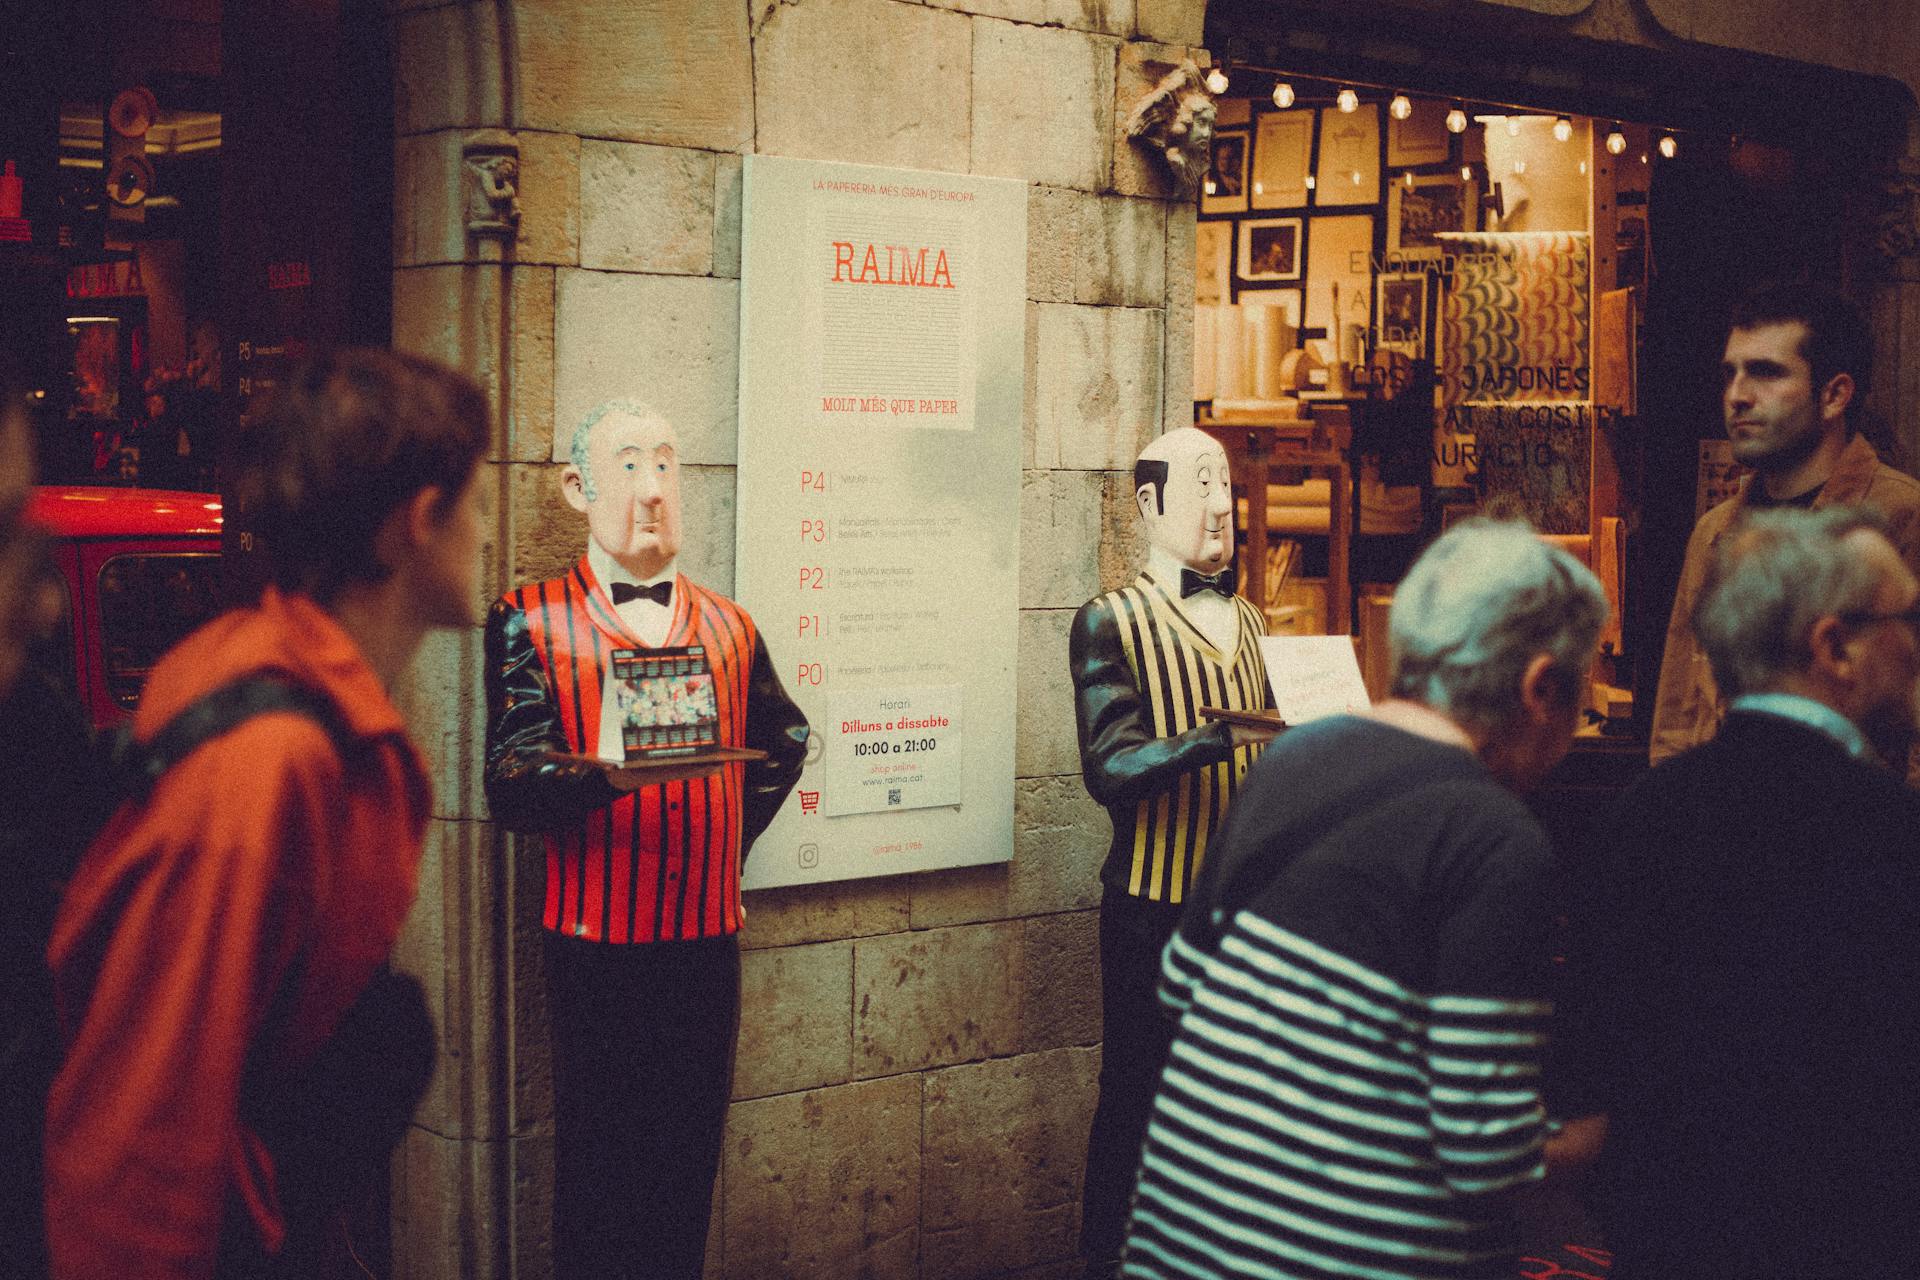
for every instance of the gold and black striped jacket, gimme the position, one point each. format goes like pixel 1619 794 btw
pixel 1141 672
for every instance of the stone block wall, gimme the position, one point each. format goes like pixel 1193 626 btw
pixel 917 1054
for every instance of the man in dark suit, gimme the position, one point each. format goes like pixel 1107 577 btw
pixel 1743 1012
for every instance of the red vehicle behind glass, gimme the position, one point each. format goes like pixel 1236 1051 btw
pixel 139 569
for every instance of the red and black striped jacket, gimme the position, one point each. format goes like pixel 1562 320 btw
pixel 650 865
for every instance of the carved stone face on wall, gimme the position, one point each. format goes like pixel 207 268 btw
pixel 625 477
pixel 1177 118
pixel 1189 514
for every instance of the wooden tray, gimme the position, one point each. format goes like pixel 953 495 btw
pixel 1250 719
pixel 646 772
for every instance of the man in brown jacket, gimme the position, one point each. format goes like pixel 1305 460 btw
pixel 1796 364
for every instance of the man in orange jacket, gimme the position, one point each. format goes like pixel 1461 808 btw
pixel 218 931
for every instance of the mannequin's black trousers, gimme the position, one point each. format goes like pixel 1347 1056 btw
pixel 643 1038
pixel 1135 1037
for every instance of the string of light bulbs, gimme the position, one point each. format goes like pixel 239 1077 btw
pixel 1400 107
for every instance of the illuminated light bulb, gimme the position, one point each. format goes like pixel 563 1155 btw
pixel 1407 178
pixel 1310 182
pixel 1616 141
pixel 1643 157
pixel 1513 126
pixel 1259 188
pixel 1348 101
pixel 1355 175
pixel 1456 121
pixel 1401 107
pixel 1283 95
pixel 1583 166
pixel 1466 173
pixel 1212 187
pixel 1562 129
pixel 1519 166
pixel 1669 146
pixel 1217 81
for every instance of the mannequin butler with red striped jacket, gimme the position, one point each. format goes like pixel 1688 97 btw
pixel 642 903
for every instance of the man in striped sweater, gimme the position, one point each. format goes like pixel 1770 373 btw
pixel 1359 978
pixel 1145 658
pixel 642 902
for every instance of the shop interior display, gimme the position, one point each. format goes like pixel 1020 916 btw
pixel 1409 310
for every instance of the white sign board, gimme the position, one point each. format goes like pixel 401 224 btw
pixel 1313 676
pixel 892 749
pixel 882 349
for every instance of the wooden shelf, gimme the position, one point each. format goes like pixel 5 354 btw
pixel 1255 448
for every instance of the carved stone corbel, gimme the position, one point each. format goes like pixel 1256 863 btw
pixel 490 179
pixel 1175 119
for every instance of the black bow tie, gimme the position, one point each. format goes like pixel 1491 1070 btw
pixel 1192 583
pixel 659 592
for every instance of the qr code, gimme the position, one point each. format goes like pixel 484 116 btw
pixel 893 795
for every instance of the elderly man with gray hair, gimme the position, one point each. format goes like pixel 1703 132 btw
pixel 1744 1012
pixel 1360 977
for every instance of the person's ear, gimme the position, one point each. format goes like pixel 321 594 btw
pixel 1544 689
pixel 1143 499
pixel 407 527
pixel 1836 396
pixel 426 513
pixel 1827 645
pixel 574 486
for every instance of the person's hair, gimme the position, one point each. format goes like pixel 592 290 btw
pixel 1153 471
pixel 1476 609
pixel 577 451
pixel 1771 579
pixel 1838 339
pixel 351 436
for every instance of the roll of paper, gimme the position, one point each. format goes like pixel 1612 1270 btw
pixel 1267 342
pixel 1230 369
pixel 1206 355
pixel 1355 352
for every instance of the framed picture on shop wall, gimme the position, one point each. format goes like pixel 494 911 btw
pixel 1224 189
pixel 1421 138
pixel 1400 311
pixel 1212 261
pixel 1270 249
pixel 1340 261
pixel 1349 169
pixel 1282 144
pixel 1416 214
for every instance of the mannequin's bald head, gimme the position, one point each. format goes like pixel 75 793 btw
pixel 1185 496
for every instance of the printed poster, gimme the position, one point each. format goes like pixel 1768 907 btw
pixel 882 376
pixel 1516 317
